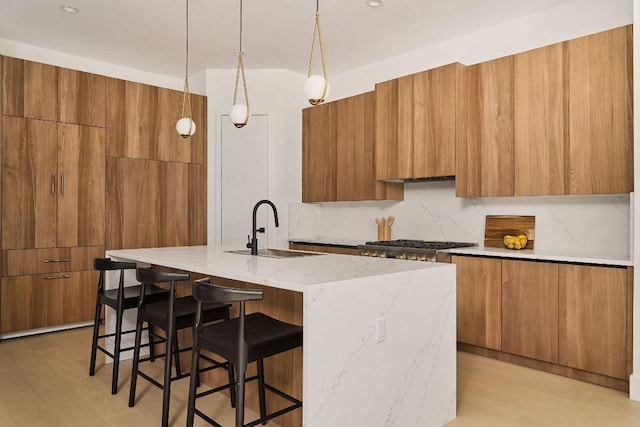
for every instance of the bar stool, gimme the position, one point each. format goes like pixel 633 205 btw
pixel 245 339
pixel 120 299
pixel 171 316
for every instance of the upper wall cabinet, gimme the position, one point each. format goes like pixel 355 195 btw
pixel 29 89
pixel 141 123
pixel 552 121
pixel 418 121
pixel 338 145
pixel 81 97
pixel 600 124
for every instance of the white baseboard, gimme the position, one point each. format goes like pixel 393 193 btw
pixel 45 330
pixel 634 387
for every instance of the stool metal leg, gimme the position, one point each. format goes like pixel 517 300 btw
pixel 177 353
pixel 94 341
pixel 193 383
pixel 136 361
pixel 263 405
pixel 152 351
pixel 116 349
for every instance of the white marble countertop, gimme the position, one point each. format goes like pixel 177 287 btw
pixel 546 255
pixel 296 274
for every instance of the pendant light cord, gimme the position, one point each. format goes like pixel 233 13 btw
pixel 239 72
pixel 186 99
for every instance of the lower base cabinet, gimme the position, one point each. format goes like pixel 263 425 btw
pixel 43 300
pixel 569 319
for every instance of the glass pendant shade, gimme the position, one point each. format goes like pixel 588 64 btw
pixel 239 115
pixel 314 89
pixel 186 127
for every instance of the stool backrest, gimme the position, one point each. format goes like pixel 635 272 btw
pixel 149 275
pixel 105 264
pixel 206 292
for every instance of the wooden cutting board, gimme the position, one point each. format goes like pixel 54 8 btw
pixel 498 226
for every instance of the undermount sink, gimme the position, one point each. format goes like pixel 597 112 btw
pixel 276 253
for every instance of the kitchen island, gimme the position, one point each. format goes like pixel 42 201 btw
pixel 379 334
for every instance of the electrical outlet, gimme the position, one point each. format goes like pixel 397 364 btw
pixel 381 329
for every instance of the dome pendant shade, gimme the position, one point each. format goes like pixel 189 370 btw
pixel 316 89
pixel 186 127
pixel 239 115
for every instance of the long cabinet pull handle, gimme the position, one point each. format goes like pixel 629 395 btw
pixel 53 184
pixel 57 260
pixel 62 184
pixel 62 276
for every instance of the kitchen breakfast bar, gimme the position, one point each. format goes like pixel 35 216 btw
pixel 379 334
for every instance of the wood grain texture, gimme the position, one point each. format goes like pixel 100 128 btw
pixel 324 248
pixel 394 128
pixel 29 89
pixel 593 319
pixel 21 262
pixel 81 199
pixel 539 122
pixel 498 226
pixel 601 112
pixel 489 145
pixel 28 193
pixel 435 115
pixel 530 309
pixel 197 205
pixel 38 301
pixel 132 203
pixel 81 98
pixel 319 162
pixel 173 227
pixel 478 284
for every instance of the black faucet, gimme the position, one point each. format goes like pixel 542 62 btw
pixel 253 243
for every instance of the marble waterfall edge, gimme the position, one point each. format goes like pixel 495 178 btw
pixel 407 380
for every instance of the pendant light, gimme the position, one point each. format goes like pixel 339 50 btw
pixel 240 113
pixel 316 88
pixel 186 127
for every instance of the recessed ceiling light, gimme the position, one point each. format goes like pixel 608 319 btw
pixel 374 3
pixel 69 9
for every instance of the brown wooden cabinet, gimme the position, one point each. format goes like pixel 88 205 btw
pixel 338 153
pixel 479 288
pixel 600 97
pixel 539 122
pixel 419 119
pixel 568 319
pixel 29 89
pixel 485 158
pixel 154 204
pixel 141 123
pixel 530 309
pixel 330 249
pixel 551 121
pixel 52 184
pixel 594 321
pixel 81 98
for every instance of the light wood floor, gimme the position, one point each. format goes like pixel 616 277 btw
pixel 44 381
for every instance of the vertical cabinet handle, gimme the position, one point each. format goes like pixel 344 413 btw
pixel 62 184
pixel 53 184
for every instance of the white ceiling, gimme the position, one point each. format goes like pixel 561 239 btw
pixel 149 35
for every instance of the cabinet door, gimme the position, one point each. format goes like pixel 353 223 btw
pixel 131 119
pixel 593 319
pixel 132 203
pixel 319 160
pixel 29 89
pixel 539 154
pixel 601 112
pixel 489 143
pixel 436 120
pixel 394 129
pixel 29 183
pixel 478 301
pixel 38 301
pixel 81 205
pixel 530 309
pixel 81 97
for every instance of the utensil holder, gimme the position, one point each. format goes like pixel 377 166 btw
pixel 381 232
pixel 386 230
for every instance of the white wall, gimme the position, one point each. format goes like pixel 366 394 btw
pixel 277 94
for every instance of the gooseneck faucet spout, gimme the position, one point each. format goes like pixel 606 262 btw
pixel 253 243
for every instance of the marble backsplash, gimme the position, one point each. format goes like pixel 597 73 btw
pixel 430 211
